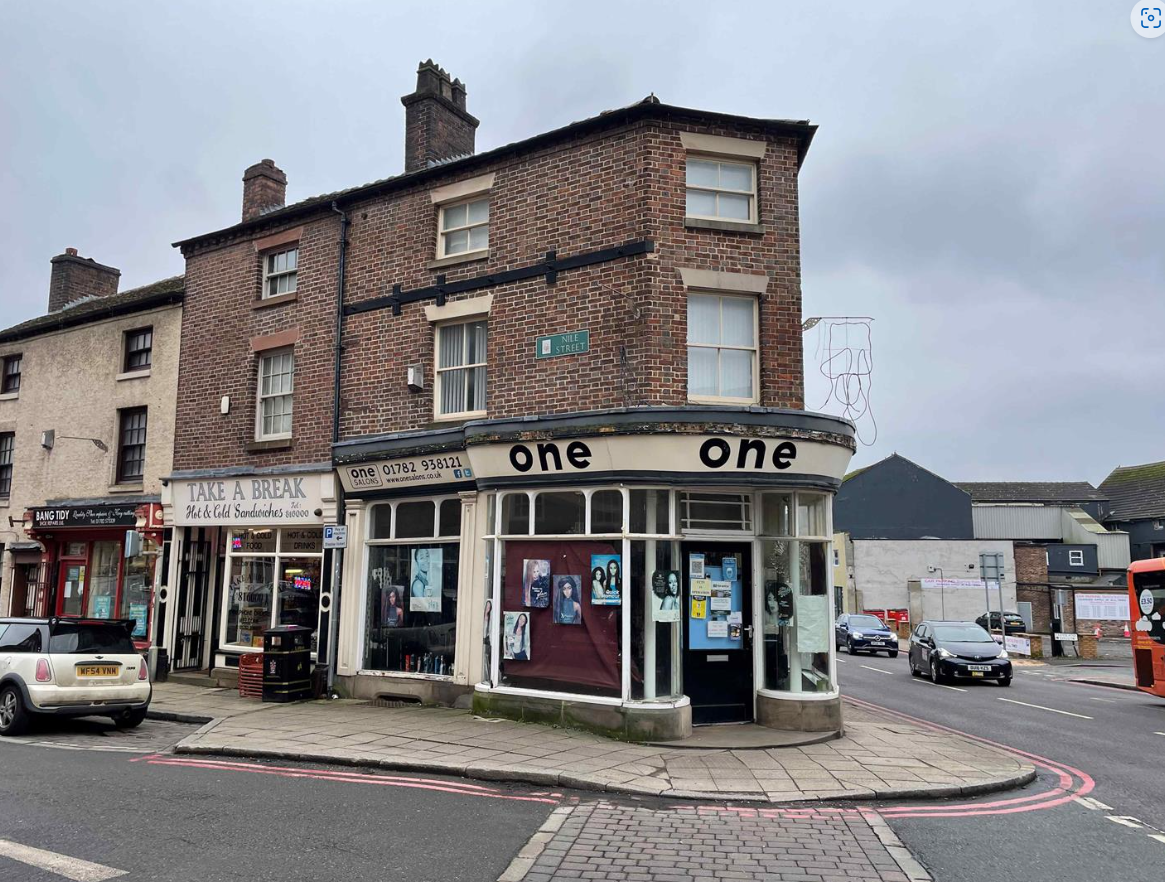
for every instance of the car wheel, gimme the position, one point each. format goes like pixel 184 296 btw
pixel 1006 681
pixel 13 716
pixel 935 676
pixel 849 647
pixel 130 719
pixel 913 670
pixel 893 653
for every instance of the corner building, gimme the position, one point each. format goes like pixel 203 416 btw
pixel 572 456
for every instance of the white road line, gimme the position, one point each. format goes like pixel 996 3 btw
pixel 879 670
pixel 1089 803
pixel 939 685
pixel 71 868
pixel 1125 821
pixel 1158 836
pixel 1041 707
pixel 842 661
pixel 1159 733
pixel 1105 700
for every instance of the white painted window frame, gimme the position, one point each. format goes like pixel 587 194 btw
pixel 264 357
pixel 269 275
pixel 754 349
pixel 438 371
pixel 443 231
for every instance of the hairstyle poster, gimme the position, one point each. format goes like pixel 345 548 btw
pixel 665 596
pixel 425 580
pixel 516 636
pixel 392 613
pixel 606 580
pixel 567 602
pixel 536 583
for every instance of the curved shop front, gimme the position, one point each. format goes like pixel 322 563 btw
pixel 633 573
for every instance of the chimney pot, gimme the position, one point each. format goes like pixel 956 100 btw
pixel 264 189
pixel 72 252
pixel 437 125
pixel 77 278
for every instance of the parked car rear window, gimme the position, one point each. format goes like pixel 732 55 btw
pixel 68 638
pixel 865 622
pixel 962 634
pixel 19 637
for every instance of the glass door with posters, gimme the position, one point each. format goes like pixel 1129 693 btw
pixel 718 668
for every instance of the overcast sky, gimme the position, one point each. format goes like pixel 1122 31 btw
pixel 988 181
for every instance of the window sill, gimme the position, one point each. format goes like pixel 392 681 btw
pixel 699 223
pixel 127 487
pixel 9 396
pixel 731 402
pixel 455 259
pixel 5 501
pixel 133 375
pixel 460 417
pixel 272 444
pixel 264 302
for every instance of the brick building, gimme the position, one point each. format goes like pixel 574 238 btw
pixel 573 462
pixel 86 436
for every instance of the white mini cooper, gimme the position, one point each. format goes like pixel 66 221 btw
pixel 70 667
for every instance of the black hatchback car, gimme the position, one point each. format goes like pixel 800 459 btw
pixel 1013 622
pixel 863 633
pixel 957 650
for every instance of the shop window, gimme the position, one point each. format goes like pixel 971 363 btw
pixel 722 348
pixel 810 514
pixel 461 369
pixel 415 519
pixel 274 578
pixel 515 514
pixel 653 586
pixel 131 452
pixel 607 511
pixel 796 622
pixel 137 589
pixel 276 391
pixel 105 565
pixel 73 577
pixel 556 637
pixel 449 518
pixel 7 448
pixel 715 512
pixel 279 272
pixel 10 375
pixel 139 347
pixel 557 514
pixel 650 511
pixel 777 514
pixel 381 522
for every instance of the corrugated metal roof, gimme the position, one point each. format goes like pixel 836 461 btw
pixel 1136 491
pixel 1055 492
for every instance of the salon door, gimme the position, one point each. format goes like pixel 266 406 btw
pixel 718 667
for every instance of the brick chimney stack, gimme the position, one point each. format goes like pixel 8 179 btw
pixel 264 189
pixel 437 125
pixel 79 278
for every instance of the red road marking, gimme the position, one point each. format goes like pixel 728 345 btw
pixel 347 778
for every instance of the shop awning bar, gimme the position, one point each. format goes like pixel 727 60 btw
pixel 550 267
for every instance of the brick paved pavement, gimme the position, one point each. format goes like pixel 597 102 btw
pixel 618 843
pixel 878 758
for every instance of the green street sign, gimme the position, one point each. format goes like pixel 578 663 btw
pixel 563 344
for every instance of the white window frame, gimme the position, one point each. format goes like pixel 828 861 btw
pixel 750 193
pixel 443 231
pixel 438 371
pixel 278 556
pixel 754 349
pixel 1075 557
pixel 260 398
pixel 269 275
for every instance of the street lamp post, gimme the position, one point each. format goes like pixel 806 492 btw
pixel 942 588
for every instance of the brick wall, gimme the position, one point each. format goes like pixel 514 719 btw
pixel 594 191
pixel 77 278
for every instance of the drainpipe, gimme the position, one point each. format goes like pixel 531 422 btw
pixel 338 553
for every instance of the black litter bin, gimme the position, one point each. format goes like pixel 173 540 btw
pixel 287 663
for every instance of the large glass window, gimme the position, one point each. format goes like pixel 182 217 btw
pixel 796 620
pixel 410 615
pixel 105 563
pixel 654 585
pixel 273 578
pixel 722 347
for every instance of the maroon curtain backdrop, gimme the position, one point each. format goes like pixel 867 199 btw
pixel 565 657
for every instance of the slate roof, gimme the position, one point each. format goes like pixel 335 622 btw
pixel 1136 491
pixel 161 293
pixel 1048 492
pixel 650 107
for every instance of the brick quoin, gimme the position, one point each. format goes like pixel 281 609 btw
pixel 576 193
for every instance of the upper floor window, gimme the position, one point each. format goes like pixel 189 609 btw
pixel 1075 558
pixel 279 269
pixel 7 446
pixel 460 374
pixel 464 227
pixel 139 345
pixel 276 386
pixel 131 452
pixel 722 348
pixel 721 190
pixel 10 381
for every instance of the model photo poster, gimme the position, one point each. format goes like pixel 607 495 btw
pixel 665 596
pixel 567 607
pixel 606 580
pixel 425 580
pixel 516 639
pixel 536 583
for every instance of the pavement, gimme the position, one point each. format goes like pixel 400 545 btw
pixel 880 757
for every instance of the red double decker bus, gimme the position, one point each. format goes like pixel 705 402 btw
pixel 1147 608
